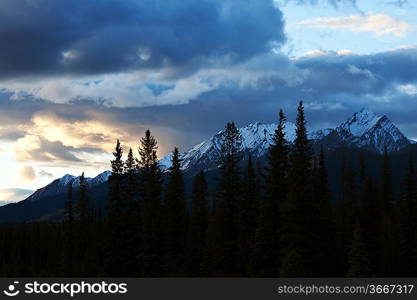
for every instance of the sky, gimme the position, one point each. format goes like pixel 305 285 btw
pixel 77 75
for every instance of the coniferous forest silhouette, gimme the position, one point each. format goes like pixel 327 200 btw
pixel 280 220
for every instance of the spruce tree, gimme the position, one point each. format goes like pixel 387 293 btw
pixel 83 209
pixel 297 211
pixel 224 257
pixel 116 200
pixel 150 188
pixel 68 243
pixel 265 252
pixel 83 228
pixel 247 217
pixel 114 246
pixel 198 224
pixel 131 182
pixel 325 246
pixel 176 217
pixel 131 217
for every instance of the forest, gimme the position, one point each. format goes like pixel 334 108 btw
pixel 278 221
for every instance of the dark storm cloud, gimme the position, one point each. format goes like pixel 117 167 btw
pixel 105 36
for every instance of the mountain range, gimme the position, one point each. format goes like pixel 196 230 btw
pixel 364 131
pixel 60 185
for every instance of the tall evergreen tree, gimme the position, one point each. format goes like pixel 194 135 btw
pixel 297 211
pixel 176 217
pixel 83 209
pixel 131 182
pixel 224 239
pixel 131 217
pixel 83 229
pixel 114 258
pixel 150 189
pixel 116 200
pixel 198 224
pixel 325 246
pixel 266 250
pixel 68 243
pixel 247 218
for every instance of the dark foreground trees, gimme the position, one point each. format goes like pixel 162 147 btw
pixel 251 220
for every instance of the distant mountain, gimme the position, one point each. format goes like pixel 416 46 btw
pixel 364 130
pixel 256 139
pixel 60 185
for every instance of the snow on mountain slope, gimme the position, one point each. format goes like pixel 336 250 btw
pixel 256 139
pixel 372 132
pixel 360 122
pixel 60 185
pixel 362 130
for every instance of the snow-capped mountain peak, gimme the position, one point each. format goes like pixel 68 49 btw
pixel 60 185
pixel 364 129
pixel 256 138
pixel 373 132
pixel 360 122
pixel 66 179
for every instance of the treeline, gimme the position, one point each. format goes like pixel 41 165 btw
pixel 277 221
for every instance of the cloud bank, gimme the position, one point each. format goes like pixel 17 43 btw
pixel 59 37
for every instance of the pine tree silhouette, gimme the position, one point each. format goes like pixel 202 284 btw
pixel 176 217
pixel 68 243
pixel 150 188
pixel 115 207
pixel 198 224
pixel 83 229
pixel 297 218
pixel 131 217
pixel 266 248
pixel 225 216
pixel 83 209
pixel 247 218
pixel 325 247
